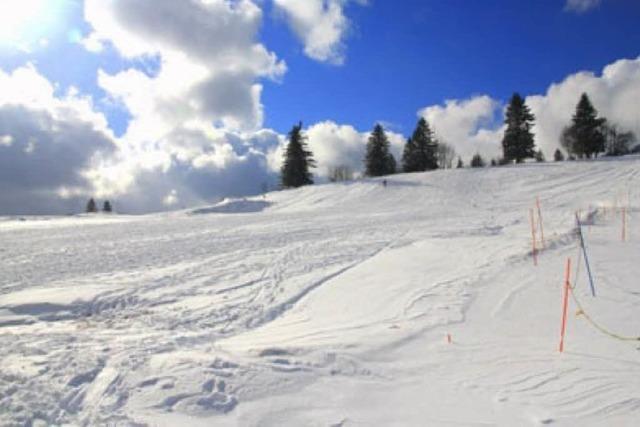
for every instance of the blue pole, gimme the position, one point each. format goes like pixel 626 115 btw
pixel 586 257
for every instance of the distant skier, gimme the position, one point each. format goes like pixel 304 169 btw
pixel 384 183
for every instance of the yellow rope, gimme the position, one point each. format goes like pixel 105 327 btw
pixel 589 319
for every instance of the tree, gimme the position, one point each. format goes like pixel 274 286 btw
pixel 617 142
pixel 420 152
pixel 494 163
pixel 477 161
pixel 445 154
pixel 558 156
pixel 539 156
pixel 460 164
pixel 91 206
pixel 378 160
pixel 518 143
pixel 297 160
pixel 410 157
pixel 340 173
pixel 585 136
pixel 106 207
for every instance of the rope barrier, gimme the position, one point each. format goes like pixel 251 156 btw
pixel 588 318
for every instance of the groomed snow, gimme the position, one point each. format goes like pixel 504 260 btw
pixel 330 306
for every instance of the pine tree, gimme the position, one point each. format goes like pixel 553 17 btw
pixel 558 156
pixel 297 160
pixel 477 161
pixel 460 164
pixel 426 146
pixel 539 156
pixel 410 157
pixel 585 136
pixel 378 160
pixel 91 206
pixel 518 143
pixel 107 206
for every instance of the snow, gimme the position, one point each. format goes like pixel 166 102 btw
pixel 330 305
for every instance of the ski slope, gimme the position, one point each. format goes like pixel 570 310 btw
pixel 330 306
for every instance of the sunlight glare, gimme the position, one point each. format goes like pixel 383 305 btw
pixel 24 22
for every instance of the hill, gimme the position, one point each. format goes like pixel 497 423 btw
pixel 332 305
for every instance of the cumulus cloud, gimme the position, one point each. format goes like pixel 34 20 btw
pixel 475 124
pixel 321 25
pixel 209 59
pixel 335 145
pixel 196 129
pixel 614 93
pixel 48 145
pixel 581 6
pixel 193 164
pixel 471 126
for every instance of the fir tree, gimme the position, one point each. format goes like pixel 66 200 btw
pixel 297 160
pixel 518 143
pixel 107 206
pixel 558 156
pixel 91 206
pixel 539 156
pixel 460 164
pixel 585 136
pixel 378 160
pixel 426 146
pixel 477 161
pixel 410 157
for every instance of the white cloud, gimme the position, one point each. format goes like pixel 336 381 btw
pixel 475 124
pixel 581 6
pixel 6 140
pixel 336 145
pixel 195 120
pixel 614 93
pixel 208 57
pixel 321 25
pixel 48 144
pixel 171 199
pixel 470 125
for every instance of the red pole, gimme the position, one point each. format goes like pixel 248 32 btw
pixel 565 303
pixel 533 238
pixel 540 220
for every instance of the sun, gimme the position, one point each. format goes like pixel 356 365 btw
pixel 24 22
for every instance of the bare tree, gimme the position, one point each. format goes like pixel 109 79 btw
pixel 446 155
pixel 617 142
pixel 340 173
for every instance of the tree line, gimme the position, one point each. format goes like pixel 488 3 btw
pixel 92 207
pixel 587 136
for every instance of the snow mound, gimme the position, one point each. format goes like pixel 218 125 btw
pixel 412 303
pixel 233 206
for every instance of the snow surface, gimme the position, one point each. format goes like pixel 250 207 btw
pixel 330 306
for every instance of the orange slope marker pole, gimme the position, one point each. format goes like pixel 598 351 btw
pixel 565 304
pixel 540 222
pixel 533 238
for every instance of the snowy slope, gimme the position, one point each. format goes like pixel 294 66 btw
pixel 330 305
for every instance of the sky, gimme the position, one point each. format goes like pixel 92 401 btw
pixel 163 104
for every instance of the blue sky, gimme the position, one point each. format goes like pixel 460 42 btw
pixel 400 57
pixel 405 55
pixel 177 103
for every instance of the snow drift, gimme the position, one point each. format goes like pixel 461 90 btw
pixel 330 305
